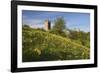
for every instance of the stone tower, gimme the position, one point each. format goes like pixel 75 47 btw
pixel 47 24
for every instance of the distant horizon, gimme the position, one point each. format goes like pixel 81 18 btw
pixel 73 20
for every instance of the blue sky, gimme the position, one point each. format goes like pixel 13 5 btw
pixel 72 20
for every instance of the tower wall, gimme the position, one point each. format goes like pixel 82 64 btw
pixel 47 25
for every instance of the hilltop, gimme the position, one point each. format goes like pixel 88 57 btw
pixel 39 45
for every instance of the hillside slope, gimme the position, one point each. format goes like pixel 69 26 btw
pixel 44 46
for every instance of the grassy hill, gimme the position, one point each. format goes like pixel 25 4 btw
pixel 39 45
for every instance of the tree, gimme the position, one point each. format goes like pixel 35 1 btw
pixel 80 37
pixel 59 27
pixel 59 24
pixel 26 26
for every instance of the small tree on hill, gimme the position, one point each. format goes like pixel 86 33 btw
pixel 59 26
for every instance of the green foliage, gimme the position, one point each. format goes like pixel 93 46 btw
pixel 61 33
pixel 39 45
pixel 59 26
pixel 80 37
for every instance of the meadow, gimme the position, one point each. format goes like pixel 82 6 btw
pixel 41 45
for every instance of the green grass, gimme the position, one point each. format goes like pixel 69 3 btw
pixel 43 46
